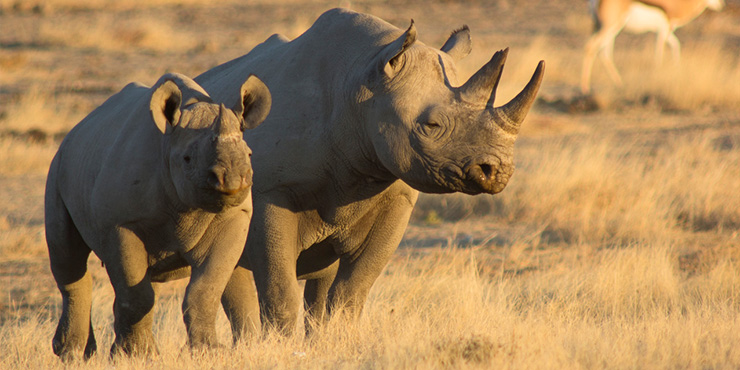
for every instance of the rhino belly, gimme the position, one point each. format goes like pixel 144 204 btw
pixel 168 266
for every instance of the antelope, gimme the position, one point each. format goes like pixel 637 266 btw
pixel 637 16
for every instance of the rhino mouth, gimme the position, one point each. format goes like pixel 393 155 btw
pixel 474 179
pixel 216 200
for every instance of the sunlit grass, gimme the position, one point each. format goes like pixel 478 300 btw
pixel 611 309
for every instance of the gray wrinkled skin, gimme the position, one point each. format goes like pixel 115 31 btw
pixel 157 182
pixel 364 118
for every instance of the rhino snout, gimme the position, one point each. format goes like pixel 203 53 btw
pixel 488 176
pixel 229 182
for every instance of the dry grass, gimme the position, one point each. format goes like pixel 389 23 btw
pixel 38 109
pixel 622 308
pixel 614 246
pixel 50 6
pixel 704 78
pixel 111 34
pixel 18 156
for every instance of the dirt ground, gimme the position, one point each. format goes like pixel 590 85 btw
pixel 79 53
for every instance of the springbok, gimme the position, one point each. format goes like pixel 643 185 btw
pixel 637 16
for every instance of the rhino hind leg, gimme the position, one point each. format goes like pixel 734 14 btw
pixel 68 256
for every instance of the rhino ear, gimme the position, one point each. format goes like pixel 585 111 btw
pixel 391 54
pixel 165 106
pixel 255 103
pixel 459 45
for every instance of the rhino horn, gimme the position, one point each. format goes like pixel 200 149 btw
pixel 224 128
pixel 513 112
pixel 482 85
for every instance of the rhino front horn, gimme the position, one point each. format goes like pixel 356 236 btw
pixel 224 128
pixel 513 112
pixel 481 87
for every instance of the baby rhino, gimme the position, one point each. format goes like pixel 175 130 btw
pixel 157 182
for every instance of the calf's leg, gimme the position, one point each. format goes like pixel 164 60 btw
pixel 210 275
pixel 240 304
pixel 68 256
pixel 126 261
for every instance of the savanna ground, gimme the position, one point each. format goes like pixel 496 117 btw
pixel 615 244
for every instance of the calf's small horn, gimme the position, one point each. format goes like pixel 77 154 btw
pixel 222 128
pixel 482 85
pixel 515 110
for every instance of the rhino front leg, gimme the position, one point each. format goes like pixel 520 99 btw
pixel 126 261
pixel 207 284
pixel 358 270
pixel 272 251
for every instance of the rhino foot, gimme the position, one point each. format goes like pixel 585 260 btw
pixel 134 345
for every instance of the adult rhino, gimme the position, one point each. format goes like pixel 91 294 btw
pixel 364 117
pixel 157 182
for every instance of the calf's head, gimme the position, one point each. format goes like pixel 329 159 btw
pixel 207 158
pixel 436 135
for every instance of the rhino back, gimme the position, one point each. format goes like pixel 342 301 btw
pixel 108 148
pixel 310 79
pixel 327 51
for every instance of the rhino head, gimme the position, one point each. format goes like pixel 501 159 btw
pixel 433 133
pixel 207 158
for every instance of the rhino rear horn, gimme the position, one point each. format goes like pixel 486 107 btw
pixel 481 87
pixel 255 102
pixel 165 106
pixel 459 45
pixel 391 54
pixel 515 110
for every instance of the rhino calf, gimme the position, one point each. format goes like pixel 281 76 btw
pixel 157 182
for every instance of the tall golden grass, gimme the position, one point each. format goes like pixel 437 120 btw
pixel 611 309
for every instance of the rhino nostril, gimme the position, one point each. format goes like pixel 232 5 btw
pixel 487 170
pixel 215 178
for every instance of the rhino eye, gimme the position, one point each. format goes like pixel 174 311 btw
pixel 431 129
pixel 186 159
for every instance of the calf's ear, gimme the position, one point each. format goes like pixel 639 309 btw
pixel 255 103
pixel 458 46
pixel 165 106
pixel 390 58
